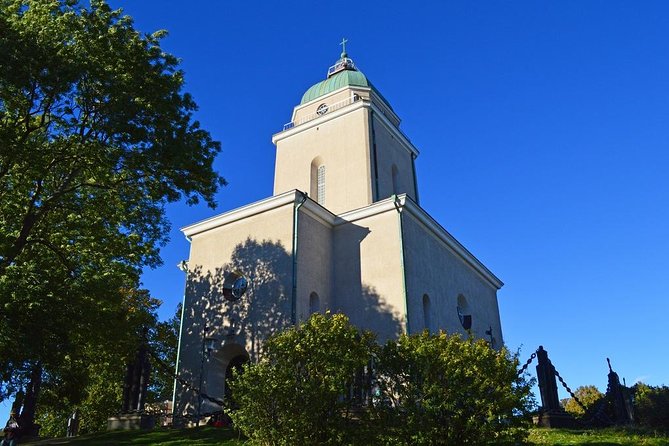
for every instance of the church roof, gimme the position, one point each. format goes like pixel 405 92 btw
pixel 342 74
pixel 344 78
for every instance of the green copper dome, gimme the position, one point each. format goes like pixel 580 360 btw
pixel 344 78
pixel 342 74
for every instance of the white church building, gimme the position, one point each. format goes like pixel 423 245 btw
pixel 343 231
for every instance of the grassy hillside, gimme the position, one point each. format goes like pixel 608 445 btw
pixel 599 437
pixel 202 436
pixel 208 436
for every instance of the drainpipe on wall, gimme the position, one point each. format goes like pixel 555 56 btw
pixel 415 181
pixel 374 160
pixel 398 208
pixel 293 303
pixel 183 266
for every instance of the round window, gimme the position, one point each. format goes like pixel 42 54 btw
pixel 234 286
pixel 322 109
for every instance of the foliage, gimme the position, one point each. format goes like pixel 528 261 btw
pixel 589 396
pixel 651 405
pixel 96 136
pixel 429 389
pixel 101 399
pixel 442 389
pixel 92 383
pixel 295 394
pixel 163 342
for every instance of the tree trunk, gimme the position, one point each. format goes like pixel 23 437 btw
pixel 27 418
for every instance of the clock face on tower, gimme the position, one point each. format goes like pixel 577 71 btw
pixel 322 109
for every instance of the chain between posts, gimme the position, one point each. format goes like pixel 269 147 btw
pixel 527 364
pixel 182 381
pixel 573 395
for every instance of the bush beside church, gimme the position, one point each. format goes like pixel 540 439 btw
pixel 325 382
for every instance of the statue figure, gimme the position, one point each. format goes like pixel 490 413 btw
pixel 619 396
pixel 136 382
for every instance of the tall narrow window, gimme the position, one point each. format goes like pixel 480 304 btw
pixel 320 188
pixel 396 180
pixel 314 303
pixel 427 317
pixel 464 313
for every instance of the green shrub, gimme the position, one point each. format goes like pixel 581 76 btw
pixel 427 390
pixel 651 406
pixel 295 394
pixel 441 389
pixel 589 396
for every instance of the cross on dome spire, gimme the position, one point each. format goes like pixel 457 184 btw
pixel 343 48
pixel 344 62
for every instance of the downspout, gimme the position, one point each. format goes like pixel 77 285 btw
pixel 398 208
pixel 293 302
pixel 376 164
pixel 183 266
pixel 415 180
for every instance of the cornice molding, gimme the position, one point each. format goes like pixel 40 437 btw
pixel 401 137
pixel 430 223
pixel 399 203
pixel 320 120
pixel 318 212
pixel 249 210
pixel 403 203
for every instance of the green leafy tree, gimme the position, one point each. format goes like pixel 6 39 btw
pixel 163 343
pixel 589 396
pixel 96 137
pixel 442 389
pixel 90 380
pixel 651 406
pixel 295 395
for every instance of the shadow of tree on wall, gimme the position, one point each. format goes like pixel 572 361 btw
pixel 262 311
pixel 361 301
pixel 244 325
pixel 375 314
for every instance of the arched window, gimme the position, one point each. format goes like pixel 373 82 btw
pixel 464 313
pixel 314 303
pixel 396 184
pixel 317 185
pixel 320 185
pixel 235 367
pixel 427 316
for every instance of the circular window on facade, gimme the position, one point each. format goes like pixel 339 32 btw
pixel 234 286
pixel 322 109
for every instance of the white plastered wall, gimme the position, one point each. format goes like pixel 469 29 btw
pixel 259 246
pixel 434 269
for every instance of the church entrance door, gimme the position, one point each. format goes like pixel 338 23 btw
pixel 235 367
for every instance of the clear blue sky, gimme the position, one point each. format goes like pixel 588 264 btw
pixel 544 136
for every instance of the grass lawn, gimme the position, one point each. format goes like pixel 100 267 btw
pixel 599 437
pixel 209 436
pixel 202 436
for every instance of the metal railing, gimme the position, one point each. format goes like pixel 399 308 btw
pixel 330 108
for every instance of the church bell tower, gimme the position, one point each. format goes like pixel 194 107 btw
pixel 343 145
pixel 359 244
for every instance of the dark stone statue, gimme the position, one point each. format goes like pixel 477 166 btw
pixel 551 413
pixel 547 383
pixel 136 382
pixel 620 398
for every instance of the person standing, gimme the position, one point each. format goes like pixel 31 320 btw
pixel 12 431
